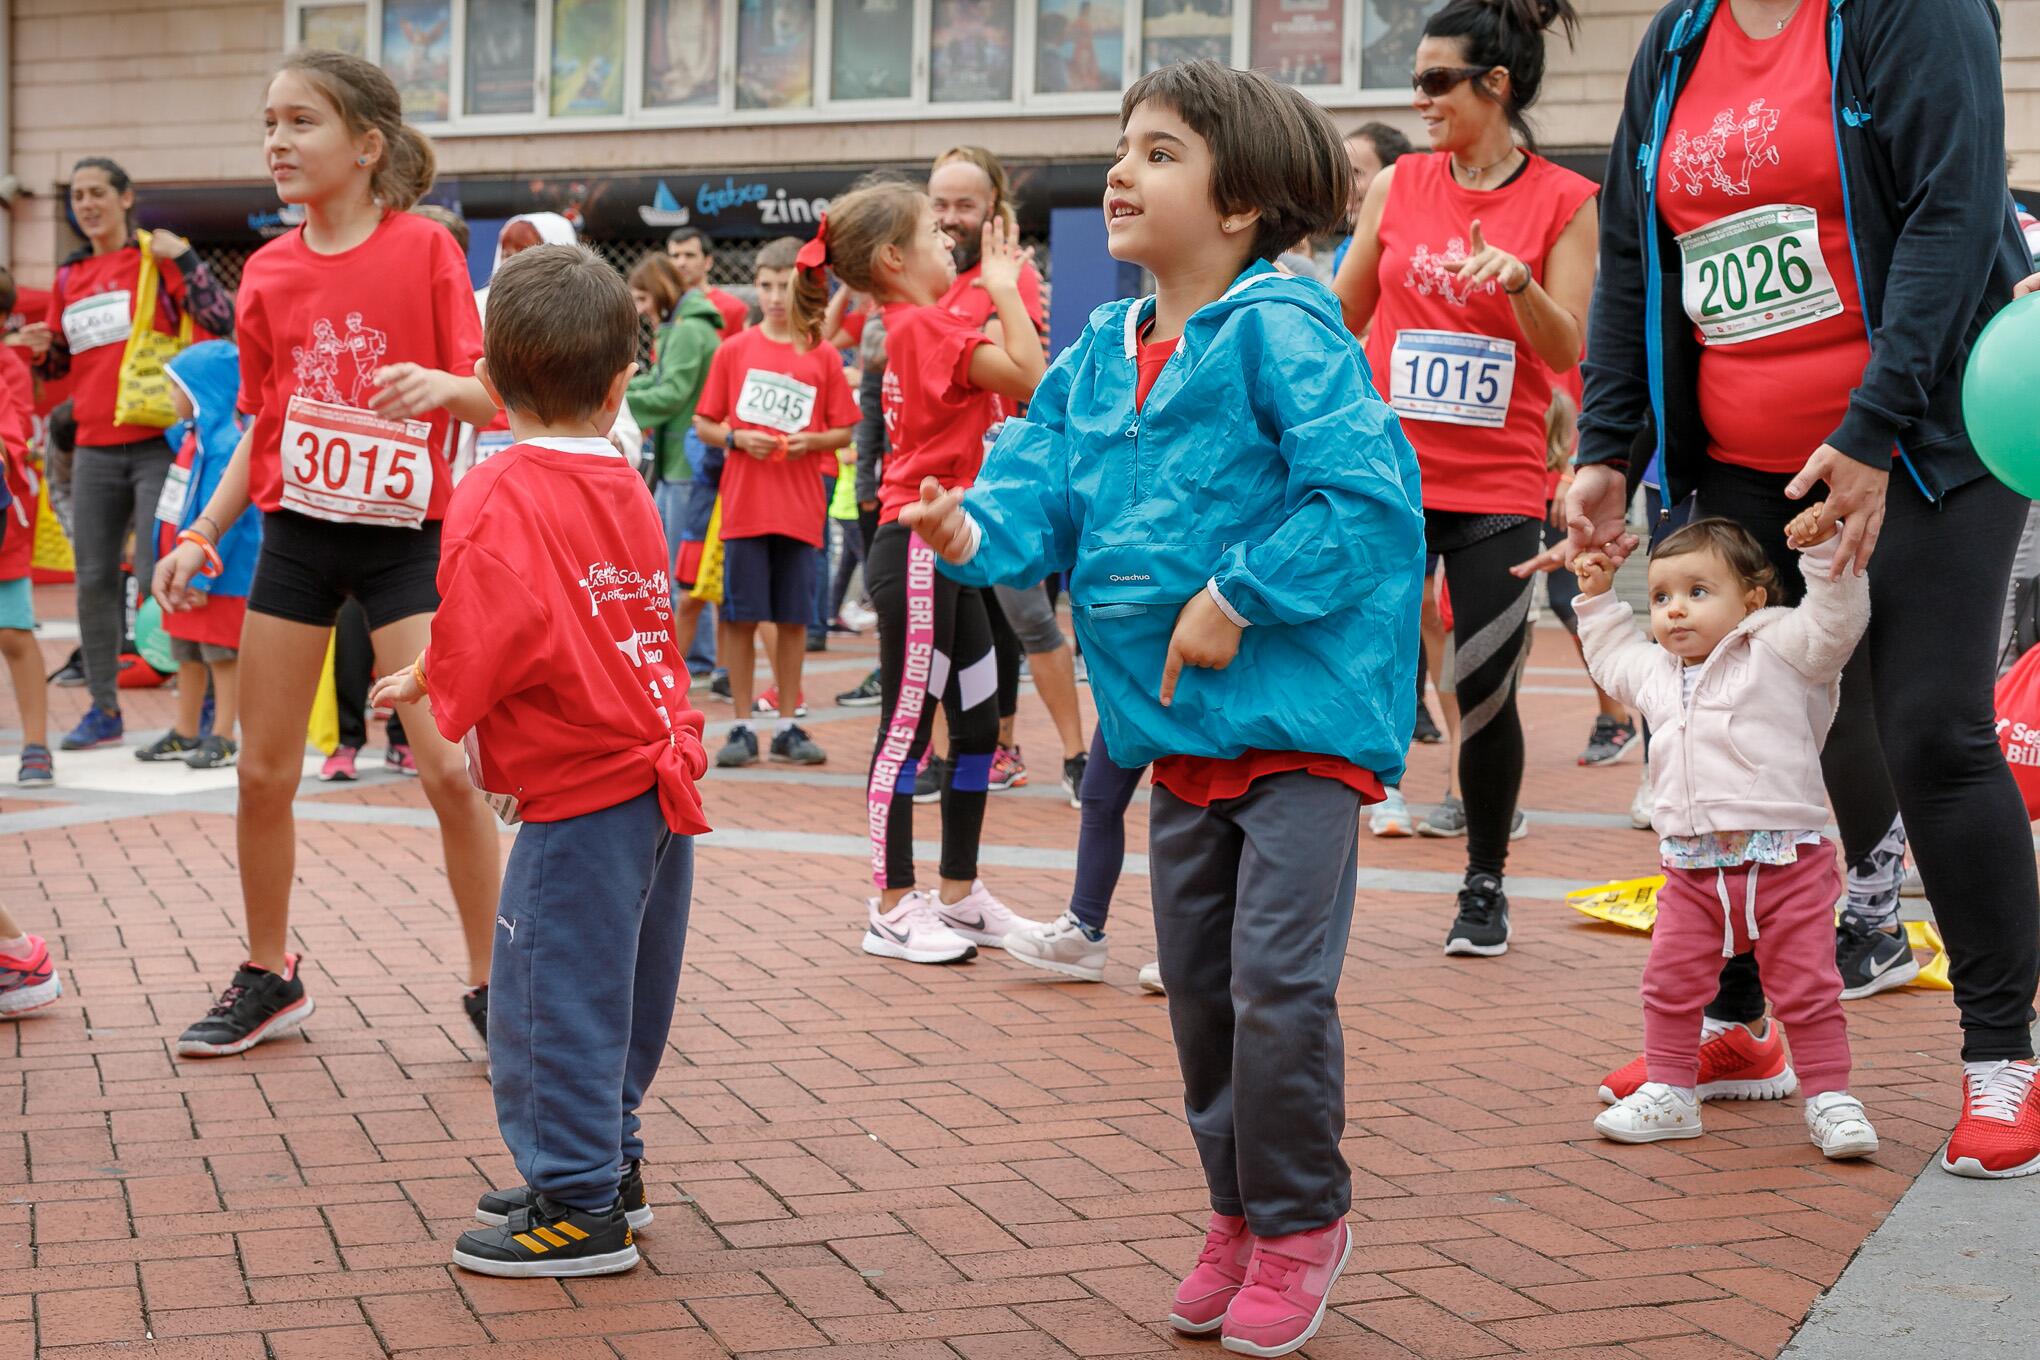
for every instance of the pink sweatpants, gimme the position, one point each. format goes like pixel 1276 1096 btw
pixel 1793 906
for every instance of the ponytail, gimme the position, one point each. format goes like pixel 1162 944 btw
pixel 1508 34
pixel 366 99
pixel 847 241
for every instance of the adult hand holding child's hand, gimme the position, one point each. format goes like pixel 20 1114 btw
pixel 1811 526
pixel 1204 637
pixel 1596 571
pixel 939 519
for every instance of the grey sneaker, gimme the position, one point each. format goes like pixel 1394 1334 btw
pixel 1059 946
pixel 1150 979
pixel 794 747
pixel 739 750
pixel 214 752
pixel 1446 819
pixel 930 778
pixel 38 768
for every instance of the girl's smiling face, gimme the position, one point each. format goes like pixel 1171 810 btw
pixel 1158 205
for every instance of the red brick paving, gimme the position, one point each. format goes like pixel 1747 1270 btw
pixel 853 1158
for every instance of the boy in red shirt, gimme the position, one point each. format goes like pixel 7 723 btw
pixel 777 401
pixel 552 659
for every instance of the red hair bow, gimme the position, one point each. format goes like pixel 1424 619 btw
pixel 814 256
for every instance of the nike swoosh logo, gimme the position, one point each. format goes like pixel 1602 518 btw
pixel 978 924
pixel 1879 970
pixel 897 936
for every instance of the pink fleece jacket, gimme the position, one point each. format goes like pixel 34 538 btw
pixel 1745 754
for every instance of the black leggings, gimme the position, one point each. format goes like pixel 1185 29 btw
pixel 1101 835
pixel 353 673
pixel 958 667
pixel 1491 645
pixel 1916 734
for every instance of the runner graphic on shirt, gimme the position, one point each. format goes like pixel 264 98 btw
pixel 318 364
pixel 1700 162
pixel 1430 273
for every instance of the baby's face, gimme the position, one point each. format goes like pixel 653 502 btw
pixel 1696 600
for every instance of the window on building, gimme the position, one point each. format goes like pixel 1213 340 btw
pixel 526 65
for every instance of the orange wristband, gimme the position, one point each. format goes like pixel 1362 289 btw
pixel 418 673
pixel 213 566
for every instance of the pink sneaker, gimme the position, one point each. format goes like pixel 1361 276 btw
pixel 1288 1285
pixel 29 982
pixel 339 767
pixel 980 917
pixel 1221 1270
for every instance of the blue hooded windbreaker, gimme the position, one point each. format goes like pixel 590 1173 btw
pixel 1264 462
pixel 210 375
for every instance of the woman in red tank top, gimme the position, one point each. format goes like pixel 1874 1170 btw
pixel 1470 273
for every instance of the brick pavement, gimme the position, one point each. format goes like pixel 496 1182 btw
pixel 871 1159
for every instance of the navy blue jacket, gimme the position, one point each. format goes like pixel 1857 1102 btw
pixel 1919 123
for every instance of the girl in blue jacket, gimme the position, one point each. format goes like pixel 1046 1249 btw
pixel 1215 468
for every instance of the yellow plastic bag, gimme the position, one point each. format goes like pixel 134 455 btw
pixel 52 551
pixel 324 729
pixel 1933 977
pixel 143 395
pixel 1631 903
pixel 708 577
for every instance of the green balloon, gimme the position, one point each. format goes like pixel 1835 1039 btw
pixel 2001 396
pixel 151 642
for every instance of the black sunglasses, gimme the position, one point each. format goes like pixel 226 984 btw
pixel 1435 82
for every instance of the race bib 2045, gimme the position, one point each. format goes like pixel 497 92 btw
pixel 775 401
pixel 1756 273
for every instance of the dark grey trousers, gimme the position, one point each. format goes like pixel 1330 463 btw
pixel 114 492
pixel 1253 901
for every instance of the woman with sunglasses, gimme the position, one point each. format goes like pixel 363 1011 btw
pixel 1474 265
pixel 1807 228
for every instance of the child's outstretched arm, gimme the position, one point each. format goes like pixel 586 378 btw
pixel 1618 655
pixel 1820 636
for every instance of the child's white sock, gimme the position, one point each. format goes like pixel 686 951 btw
pixel 785 725
pixel 1711 1028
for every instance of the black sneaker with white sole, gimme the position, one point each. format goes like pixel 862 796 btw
pixel 257 1006
pixel 868 694
pixel 1073 778
pixel 792 746
pixel 496 1207
pixel 475 1001
pixel 929 779
pixel 1871 960
pixel 545 1240
pixel 1482 926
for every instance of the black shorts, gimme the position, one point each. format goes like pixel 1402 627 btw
pixel 310 567
pixel 768 580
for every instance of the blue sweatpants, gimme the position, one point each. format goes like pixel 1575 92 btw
pixel 589 934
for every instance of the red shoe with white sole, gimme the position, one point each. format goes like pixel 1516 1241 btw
pixel 1735 1064
pixel 1998 1136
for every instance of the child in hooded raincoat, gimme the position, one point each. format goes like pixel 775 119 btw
pixel 206 641
pixel 1215 468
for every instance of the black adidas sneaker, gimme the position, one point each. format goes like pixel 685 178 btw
pixel 496 1207
pixel 548 1240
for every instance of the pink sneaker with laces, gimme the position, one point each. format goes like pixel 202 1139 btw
pixel 1220 1273
pixel 1289 1282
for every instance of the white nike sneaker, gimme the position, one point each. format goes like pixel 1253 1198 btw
pixel 1836 1124
pixel 980 917
pixel 1653 1113
pixel 910 931
pixel 1645 801
pixel 1061 946
pixel 1151 979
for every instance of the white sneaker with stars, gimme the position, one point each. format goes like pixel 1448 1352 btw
pixel 1652 1114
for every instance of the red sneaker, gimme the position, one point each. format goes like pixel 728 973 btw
pixel 1998 1136
pixel 1288 1286
pixel 1735 1064
pixel 1220 1273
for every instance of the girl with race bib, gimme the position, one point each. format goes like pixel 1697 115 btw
pixel 1474 265
pixel 121 467
pixel 1807 228
pixel 943 380
pixel 358 338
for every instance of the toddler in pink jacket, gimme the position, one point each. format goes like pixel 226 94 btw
pixel 1739 698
